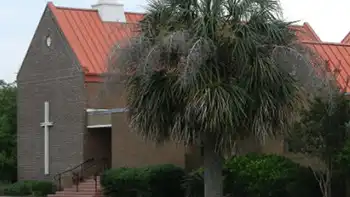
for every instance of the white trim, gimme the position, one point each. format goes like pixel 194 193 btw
pixel 96 110
pixel 106 111
pixel 99 126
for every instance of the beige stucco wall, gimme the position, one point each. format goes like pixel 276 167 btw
pixel 129 149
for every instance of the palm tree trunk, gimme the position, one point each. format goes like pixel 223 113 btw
pixel 213 178
pixel 347 187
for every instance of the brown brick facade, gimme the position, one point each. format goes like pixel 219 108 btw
pixel 100 95
pixel 53 74
pixel 129 149
pixel 49 74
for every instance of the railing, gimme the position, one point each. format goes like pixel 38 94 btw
pixel 104 166
pixel 79 170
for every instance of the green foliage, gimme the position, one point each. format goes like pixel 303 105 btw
pixel 322 130
pixel 128 182
pixel 343 158
pixel 322 133
pixel 3 186
pixel 35 188
pixel 196 69
pixel 151 181
pixel 259 176
pixel 8 124
pixel 165 180
pixel 213 72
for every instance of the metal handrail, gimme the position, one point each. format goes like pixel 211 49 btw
pixel 75 167
pixel 78 175
pixel 58 176
pixel 102 161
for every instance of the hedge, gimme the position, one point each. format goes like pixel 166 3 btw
pixel 30 187
pixel 251 175
pixel 151 181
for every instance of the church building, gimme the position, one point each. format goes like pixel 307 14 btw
pixel 64 118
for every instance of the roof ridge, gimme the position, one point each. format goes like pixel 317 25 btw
pixel 326 43
pixel 92 9
pixel 77 9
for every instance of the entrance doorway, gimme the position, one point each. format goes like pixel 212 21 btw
pixel 98 146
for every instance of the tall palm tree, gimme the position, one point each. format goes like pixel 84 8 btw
pixel 212 72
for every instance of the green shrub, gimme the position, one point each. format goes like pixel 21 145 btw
pixel 3 186
pixel 165 180
pixel 259 176
pixel 151 181
pixel 42 188
pixel 126 182
pixel 18 189
pixel 35 188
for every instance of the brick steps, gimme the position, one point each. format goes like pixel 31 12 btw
pixel 85 189
pixel 80 189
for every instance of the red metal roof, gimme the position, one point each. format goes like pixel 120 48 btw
pixel 91 40
pixel 338 57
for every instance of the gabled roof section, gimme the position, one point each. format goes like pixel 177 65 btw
pixel 91 39
pixel 338 58
pixel 306 33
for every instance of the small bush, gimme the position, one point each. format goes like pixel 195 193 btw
pixel 152 181
pixel 126 182
pixel 3 186
pixel 165 180
pixel 42 188
pixel 270 176
pixel 25 188
pixel 18 189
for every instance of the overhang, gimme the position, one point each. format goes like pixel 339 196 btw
pixel 101 118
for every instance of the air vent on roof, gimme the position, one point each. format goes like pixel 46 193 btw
pixel 110 10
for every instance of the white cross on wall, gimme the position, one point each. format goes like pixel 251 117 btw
pixel 46 124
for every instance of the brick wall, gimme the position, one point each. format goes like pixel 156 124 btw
pixel 129 149
pixel 101 96
pixel 49 74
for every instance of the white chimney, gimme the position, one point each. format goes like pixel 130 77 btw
pixel 110 10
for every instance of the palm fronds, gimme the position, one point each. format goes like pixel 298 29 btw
pixel 227 69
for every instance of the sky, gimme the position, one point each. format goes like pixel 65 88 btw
pixel 19 19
